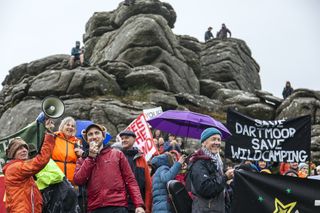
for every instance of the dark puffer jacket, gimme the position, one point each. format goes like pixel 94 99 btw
pixel 207 184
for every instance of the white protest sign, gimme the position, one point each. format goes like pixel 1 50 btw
pixel 151 113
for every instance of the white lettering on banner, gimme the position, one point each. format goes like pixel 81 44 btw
pixel 278 140
pixel 263 123
pixel 151 113
pixel 144 139
pixel 252 131
pixel 4 144
pixel 269 155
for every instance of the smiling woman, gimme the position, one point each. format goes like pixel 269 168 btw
pixel 67 148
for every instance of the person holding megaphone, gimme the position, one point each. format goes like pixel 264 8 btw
pixel 22 194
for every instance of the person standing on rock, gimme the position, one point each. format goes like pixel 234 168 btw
pixel 287 90
pixel 223 32
pixel 208 35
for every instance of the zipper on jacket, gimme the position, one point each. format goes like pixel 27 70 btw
pixel 32 199
pixel 65 160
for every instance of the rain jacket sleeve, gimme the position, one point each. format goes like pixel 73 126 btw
pixel 170 174
pixel 131 183
pixel 205 184
pixel 83 170
pixel 33 166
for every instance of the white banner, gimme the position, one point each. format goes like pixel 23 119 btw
pixel 144 139
pixel 151 113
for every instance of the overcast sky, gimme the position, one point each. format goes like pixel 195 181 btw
pixel 283 35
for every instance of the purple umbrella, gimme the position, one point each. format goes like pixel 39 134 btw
pixel 186 123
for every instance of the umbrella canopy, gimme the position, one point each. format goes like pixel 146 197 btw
pixel 186 123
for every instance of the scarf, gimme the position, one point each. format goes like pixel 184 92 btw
pixel 215 157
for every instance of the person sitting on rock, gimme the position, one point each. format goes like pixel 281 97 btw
pixel 76 55
pixel 208 35
pixel 223 32
pixel 128 2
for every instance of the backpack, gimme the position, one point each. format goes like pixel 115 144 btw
pixel 179 198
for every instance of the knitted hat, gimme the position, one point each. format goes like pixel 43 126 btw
pixel 14 145
pixel 127 133
pixel 207 133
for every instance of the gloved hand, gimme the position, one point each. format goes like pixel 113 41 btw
pixel 41 118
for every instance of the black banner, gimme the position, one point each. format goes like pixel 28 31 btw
pixel 264 193
pixel 276 141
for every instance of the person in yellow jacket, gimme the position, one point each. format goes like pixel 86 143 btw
pixel 67 148
pixel 57 192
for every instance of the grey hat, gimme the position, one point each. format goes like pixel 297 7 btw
pixel 127 133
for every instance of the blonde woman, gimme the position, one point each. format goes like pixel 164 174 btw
pixel 67 148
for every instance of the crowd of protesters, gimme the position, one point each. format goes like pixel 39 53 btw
pixel 118 178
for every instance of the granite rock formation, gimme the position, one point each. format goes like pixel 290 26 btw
pixel 137 62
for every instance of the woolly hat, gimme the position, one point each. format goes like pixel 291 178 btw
pixel 207 133
pixel 302 165
pixel 127 133
pixel 14 145
pixel 100 127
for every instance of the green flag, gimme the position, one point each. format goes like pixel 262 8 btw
pixel 32 134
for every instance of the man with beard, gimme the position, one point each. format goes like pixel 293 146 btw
pixel 107 175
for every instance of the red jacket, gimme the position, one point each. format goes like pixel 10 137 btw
pixel 108 177
pixel 22 194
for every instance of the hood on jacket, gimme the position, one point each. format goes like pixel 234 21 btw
pixel 160 160
pixel 199 155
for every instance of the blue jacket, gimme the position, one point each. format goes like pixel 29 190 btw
pixel 159 183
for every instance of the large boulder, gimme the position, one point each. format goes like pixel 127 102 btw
pixel 136 63
pixel 147 40
pixel 230 62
